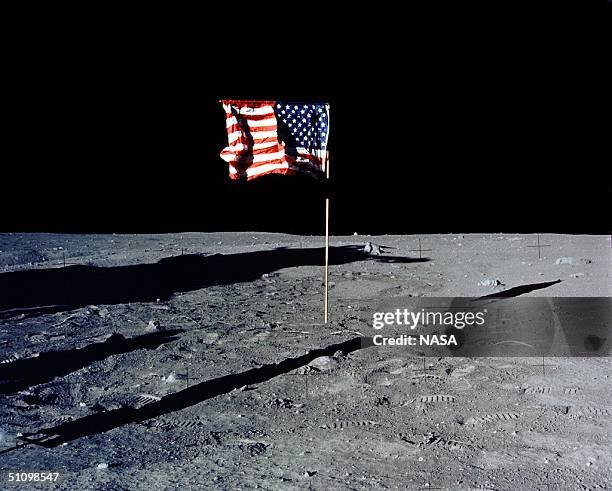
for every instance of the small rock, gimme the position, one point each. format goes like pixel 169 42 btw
pixel 576 275
pixel 372 249
pixel 153 326
pixel 102 466
pixel 324 363
pixel 490 282
pixel 170 379
pixel 565 260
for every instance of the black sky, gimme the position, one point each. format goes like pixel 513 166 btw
pixel 511 138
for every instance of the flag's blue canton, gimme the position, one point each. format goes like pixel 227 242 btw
pixel 303 125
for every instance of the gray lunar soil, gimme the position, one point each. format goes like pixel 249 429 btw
pixel 233 382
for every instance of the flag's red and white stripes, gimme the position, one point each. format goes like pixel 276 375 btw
pixel 254 149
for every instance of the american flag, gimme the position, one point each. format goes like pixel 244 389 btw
pixel 275 137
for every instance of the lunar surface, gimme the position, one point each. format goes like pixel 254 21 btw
pixel 200 361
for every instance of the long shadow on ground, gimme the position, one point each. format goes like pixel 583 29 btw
pixel 36 292
pixel 520 290
pixel 102 422
pixel 22 374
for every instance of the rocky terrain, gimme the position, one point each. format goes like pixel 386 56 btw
pixel 201 361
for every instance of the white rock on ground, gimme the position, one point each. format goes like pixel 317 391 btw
pixel 490 282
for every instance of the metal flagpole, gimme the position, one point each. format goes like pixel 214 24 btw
pixel 326 298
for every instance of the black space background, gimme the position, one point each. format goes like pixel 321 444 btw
pixel 514 138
